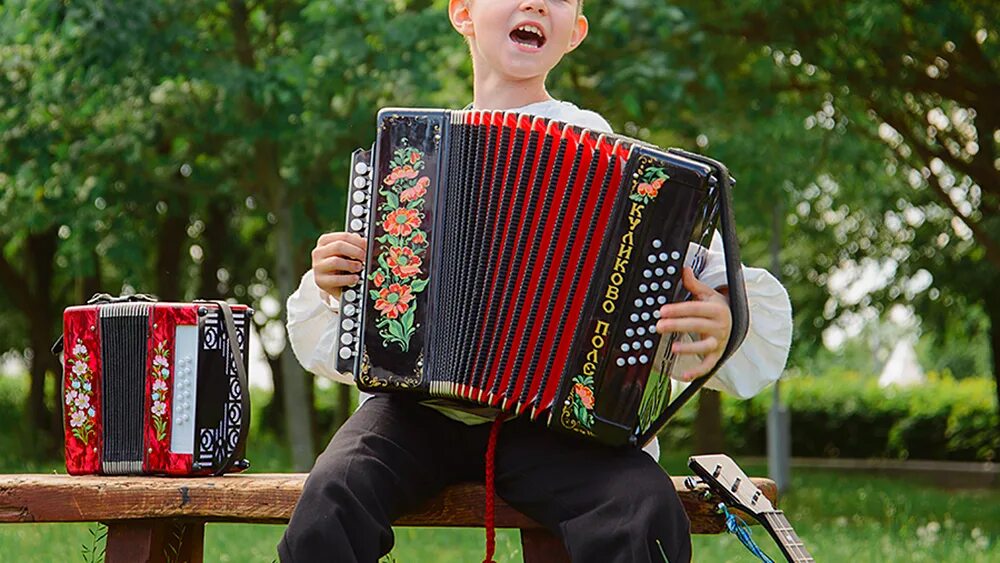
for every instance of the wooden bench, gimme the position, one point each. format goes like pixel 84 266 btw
pixel 148 517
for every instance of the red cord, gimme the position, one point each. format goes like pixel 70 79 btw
pixel 491 448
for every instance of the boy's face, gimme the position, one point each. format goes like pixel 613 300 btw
pixel 519 39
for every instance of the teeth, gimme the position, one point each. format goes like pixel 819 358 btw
pixel 531 29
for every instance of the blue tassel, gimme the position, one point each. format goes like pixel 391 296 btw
pixel 739 528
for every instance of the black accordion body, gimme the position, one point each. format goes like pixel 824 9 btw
pixel 519 263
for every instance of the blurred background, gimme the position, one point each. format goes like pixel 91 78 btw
pixel 197 149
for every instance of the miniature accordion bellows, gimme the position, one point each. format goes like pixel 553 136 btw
pixel 519 263
pixel 155 388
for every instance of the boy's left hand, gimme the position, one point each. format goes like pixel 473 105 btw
pixel 707 315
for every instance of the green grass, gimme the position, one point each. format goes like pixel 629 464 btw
pixel 839 517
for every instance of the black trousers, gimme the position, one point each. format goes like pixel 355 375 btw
pixel 606 504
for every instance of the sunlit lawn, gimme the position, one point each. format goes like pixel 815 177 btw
pixel 839 517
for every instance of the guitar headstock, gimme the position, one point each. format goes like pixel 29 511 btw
pixel 726 479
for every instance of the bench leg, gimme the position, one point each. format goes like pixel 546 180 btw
pixel 541 546
pixel 155 541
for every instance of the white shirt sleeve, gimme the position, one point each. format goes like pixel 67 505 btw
pixel 761 359
pixel 313 327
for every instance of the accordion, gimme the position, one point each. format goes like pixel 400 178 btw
pixel 155 388
pixel 519 263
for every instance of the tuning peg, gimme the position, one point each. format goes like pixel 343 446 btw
pixel 692 482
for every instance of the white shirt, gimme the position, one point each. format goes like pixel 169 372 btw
pixel 313 324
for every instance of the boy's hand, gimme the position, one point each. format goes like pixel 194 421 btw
pixel 336 261
pixel 707 315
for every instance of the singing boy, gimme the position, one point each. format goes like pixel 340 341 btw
pixel 606 504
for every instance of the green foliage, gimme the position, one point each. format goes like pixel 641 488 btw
pixel 844 414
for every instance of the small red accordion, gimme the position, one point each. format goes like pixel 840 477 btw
pixel 155 388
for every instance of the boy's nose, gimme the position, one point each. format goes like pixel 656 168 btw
pixel 534 5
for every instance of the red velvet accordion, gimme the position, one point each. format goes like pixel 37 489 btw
pixel 519 263
pixel 155 388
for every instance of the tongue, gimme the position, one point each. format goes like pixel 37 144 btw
pixel 526 38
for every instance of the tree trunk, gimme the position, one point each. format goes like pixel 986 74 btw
pixel 214 242
pixel 298 407
pixel 343 403
pixel 993 310
pixel 708 437
pixel 169 247
pixel 42 313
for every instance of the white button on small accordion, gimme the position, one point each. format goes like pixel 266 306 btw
pixel 519 263
pixel 155 388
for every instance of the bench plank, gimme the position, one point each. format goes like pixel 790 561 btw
pixel 257 498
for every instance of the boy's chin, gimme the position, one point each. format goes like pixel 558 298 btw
pixel 521 69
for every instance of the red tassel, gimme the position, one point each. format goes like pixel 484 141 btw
pixel 491 448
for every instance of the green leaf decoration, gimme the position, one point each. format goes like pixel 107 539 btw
pixel 417 286
pixel 374 294
pixel 392 200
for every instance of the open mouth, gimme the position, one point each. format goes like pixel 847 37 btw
pixel 528 35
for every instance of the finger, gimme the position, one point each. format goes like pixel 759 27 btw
pixel 707 309
pixel 701 369
pixel 706 346
pixel 331 283
pixel 338 247
pixel 338 265
pixel 688 324
pixel 695 286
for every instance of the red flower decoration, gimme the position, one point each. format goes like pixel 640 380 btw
pixel 419 238
pixel 394 300
pixel 403 262
pixel 401 222
pixel 378 279
pixel 585 394
pixel 414 157
pixel 414 193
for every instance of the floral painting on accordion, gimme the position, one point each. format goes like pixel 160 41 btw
pixel 398 277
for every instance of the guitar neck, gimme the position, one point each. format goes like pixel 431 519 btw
pixel 786 537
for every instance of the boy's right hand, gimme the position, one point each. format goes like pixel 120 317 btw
pixel 336 261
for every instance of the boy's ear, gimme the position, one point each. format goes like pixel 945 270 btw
pixel 580 31
pixel 461 19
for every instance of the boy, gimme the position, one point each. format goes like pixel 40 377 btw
pixel 606 504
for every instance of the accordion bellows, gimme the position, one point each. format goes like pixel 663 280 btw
pixel 519 263
pixel 153 388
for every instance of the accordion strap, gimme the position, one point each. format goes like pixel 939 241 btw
pixel 737 290
pixel 230 327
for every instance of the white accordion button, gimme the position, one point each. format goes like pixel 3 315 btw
pixel 636 345
pixel 643 359
pixel 657 243
pixel 625 347
pixel 638 302
pixel 345 352
pixel 667 285
pixel 648 344
pixel 641 331
pixel 650 301
pixel 359 197
pixel 664 257
pixel 359 182
pixel 671 270
pixel 634 317
pixel 629 333
pixel 647 274
pixel 349 309
pixel 645 316
pixel 361 168
pixel 348 324
pixel 652 259
pixel 643 288
pixel 675 255
pixel 358 210
pixel 659 272
pixel 631 360
pixel 656 314
pixel 346 339
pixel 350 295
pixel 357 224
pixel 620 362
pixel 662 300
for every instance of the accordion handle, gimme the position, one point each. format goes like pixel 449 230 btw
pixel 230 326
pixel 738 306
pixel 101 298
